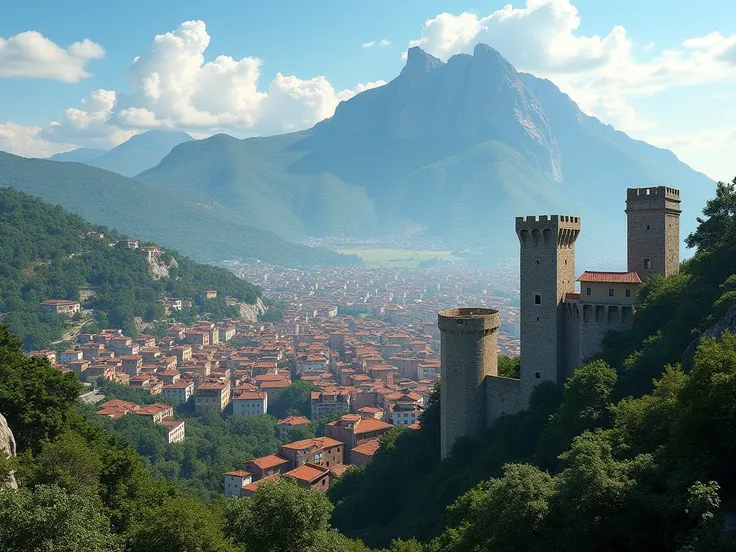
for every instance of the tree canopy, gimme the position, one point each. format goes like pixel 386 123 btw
pixel 47 253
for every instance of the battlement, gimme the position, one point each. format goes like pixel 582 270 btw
pixel 647 194
pixel 554 230
pixel 469 320
pixel 546 221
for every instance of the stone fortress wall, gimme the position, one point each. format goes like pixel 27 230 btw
pixel 653 231
pixel 560 328
pixel 469 354
pixel 547 263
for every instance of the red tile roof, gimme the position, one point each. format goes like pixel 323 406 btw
pixel 249 396
pixel 253 486
pixel 307 472
pixel 293 420
pixel 610 277
pixel 269 461
pixel 115 403
pixel 274 384
pixel 238 473
pixel 368 448
pixel 367 425
pixel 318 442
pixel 340 469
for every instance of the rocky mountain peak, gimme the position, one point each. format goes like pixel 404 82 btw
pixel 417 60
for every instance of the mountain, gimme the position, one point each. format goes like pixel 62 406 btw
pixel 195 226
pixel 133 156
pixel 141 152
pixel 48 253
pixel 79 155
pixel 458 148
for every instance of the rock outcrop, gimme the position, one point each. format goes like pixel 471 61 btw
pixel 158 268
pixel 727 323
pixel 7 446
pixel 250 313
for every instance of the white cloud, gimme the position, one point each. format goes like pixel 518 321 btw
pixel 383 42
pixel 294 104
pixel 27 141
pixel 30 54
pixel 708 148
pixel 89 126
pixel 173 88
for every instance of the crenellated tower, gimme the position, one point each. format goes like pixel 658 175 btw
pixel 547 271
pixel 653 231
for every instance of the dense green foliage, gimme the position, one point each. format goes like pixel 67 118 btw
pixel 674 311
pixel 34 399
pixel 405 490
pixel 637 454
pixel 46 253
pixel 197 226
pixel 509 367
pixel 48 519
pixel 295 400
pixel 214 444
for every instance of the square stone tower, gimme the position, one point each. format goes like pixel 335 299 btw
pixel 653 231
pixel 547 275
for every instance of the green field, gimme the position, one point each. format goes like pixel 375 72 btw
pixel 400 258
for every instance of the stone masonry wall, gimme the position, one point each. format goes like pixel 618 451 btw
pixel 502 397
pixel 547 267
pixel 653 230
pixel 572 337
pixel 595 321
pixel 469 353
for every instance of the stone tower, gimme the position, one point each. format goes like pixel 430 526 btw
pixel 653 231
pixel 547 275
pixel 469 344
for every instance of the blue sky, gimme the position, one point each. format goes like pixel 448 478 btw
pixel 675 87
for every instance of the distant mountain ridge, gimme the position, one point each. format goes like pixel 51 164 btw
pixel 133 156
pixel 79 155
pixel 459 148
pixel 194 226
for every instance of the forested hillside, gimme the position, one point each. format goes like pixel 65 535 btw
pixel 47 253
pixel 195 225
pixel 636 453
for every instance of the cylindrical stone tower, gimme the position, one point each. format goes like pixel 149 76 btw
pixel 469 354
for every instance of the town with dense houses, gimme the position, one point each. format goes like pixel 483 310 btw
pixel 369 374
